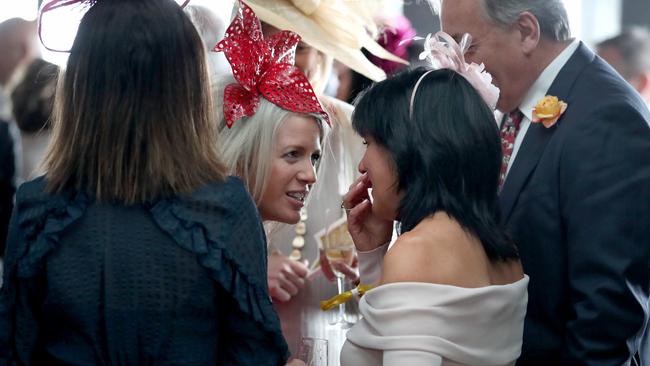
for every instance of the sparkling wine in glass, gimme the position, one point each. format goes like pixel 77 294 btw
pixel 339 249
pixel 340 254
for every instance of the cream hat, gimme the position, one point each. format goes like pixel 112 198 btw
pixel 338 28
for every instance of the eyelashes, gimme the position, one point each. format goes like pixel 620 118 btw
pixel 296 155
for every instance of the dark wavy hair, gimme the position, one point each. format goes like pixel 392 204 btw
pixel 447 153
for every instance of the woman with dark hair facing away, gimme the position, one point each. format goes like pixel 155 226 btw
pixel 135 248
pixel 451 288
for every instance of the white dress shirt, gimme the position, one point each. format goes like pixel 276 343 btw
pixel 537 92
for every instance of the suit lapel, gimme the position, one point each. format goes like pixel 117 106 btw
pixel 537 135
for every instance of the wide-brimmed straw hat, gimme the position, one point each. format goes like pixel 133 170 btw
pixel 338 28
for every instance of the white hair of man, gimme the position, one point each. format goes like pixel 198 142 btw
pixel 246 148
pixel 551 15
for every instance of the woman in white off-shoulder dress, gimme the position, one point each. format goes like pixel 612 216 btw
pixel 451 290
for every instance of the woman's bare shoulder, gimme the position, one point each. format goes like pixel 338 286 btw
pixel 437 251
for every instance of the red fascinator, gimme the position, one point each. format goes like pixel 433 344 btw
pixel 263 68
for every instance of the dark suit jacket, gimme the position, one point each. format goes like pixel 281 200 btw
pixel 577 202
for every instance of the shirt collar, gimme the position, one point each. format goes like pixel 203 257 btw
pixel 545 79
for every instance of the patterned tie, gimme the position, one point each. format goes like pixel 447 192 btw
pixel 508 134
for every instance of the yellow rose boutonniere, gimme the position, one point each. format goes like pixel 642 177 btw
pixel 548 110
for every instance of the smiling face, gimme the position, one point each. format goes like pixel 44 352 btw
pixel 499 48
pixel 382 174
pixel 292 169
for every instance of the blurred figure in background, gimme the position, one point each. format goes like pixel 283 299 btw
pixel 396 37
pixel 19 46
pixel 211 28
pixel 32 101
pixel 629 54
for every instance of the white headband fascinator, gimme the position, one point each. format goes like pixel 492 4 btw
pixel 442 52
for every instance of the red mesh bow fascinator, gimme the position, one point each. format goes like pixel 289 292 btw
pixel 263 68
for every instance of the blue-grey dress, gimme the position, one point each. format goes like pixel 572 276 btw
pixel 181 281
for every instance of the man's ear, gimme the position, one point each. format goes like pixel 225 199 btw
pixel 643 84
pixel 528 28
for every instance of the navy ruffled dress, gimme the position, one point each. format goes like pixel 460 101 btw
pixel 181 281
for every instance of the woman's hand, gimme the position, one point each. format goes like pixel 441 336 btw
pixel 351 272
pixel 367 230
pixel 285 277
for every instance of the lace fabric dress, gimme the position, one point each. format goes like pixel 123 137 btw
pixel 178 281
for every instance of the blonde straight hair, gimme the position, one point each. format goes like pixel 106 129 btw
pixel 247 147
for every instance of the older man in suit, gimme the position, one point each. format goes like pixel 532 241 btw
pixel 576 191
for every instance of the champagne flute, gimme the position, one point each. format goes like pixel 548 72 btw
pixel 339 249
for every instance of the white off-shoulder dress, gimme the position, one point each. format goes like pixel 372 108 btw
pixel 413 324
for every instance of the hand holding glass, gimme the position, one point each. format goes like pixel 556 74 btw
pixel 339 249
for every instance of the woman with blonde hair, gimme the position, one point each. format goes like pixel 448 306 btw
pixel 135 248
pixel 272 125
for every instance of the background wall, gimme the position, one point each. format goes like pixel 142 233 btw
pixel 422 17
pixel 636 12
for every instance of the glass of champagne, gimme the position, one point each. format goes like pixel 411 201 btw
pixel 339 249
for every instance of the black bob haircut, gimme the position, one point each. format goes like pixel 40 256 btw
pixel 447 154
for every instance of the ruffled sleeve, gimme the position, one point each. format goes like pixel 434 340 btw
pixel 36 224
pixel 221 224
